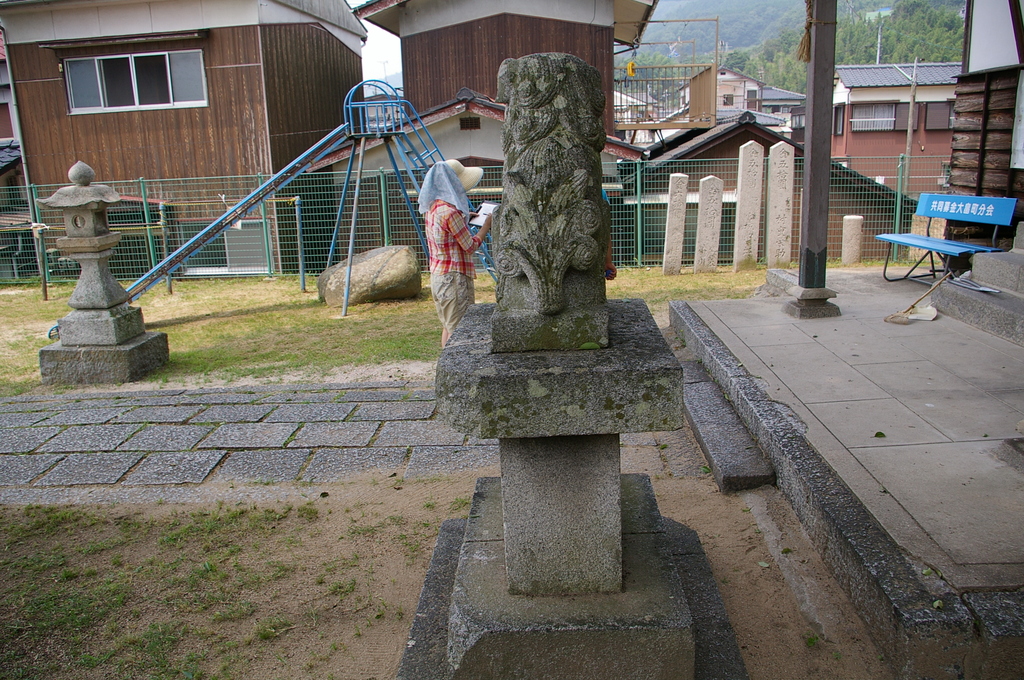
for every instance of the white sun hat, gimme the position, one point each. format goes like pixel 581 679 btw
pixel 469 177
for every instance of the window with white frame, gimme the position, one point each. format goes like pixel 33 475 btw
pixel 872 117
pixel 154 80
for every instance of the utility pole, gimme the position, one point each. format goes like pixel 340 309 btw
pixel 913 110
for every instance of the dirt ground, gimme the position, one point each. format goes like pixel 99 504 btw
pixel 327 588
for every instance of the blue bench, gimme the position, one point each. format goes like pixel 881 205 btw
pixel 976 209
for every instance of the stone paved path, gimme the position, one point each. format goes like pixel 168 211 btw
pixel 245 442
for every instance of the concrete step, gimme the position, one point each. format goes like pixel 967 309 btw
pixel 1004 271
pixel 1000 314
pixel 735 459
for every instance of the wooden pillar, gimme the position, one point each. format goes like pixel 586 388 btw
pixel 817 151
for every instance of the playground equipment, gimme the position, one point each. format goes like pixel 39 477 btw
pixel 379 114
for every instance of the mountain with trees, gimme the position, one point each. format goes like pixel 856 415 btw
pixel 759 37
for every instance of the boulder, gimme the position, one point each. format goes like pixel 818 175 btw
pixel 388 273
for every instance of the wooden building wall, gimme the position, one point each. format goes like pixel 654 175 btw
pixel 982 140
pixel 307 74
pixel 983 131
pixel 436 64
pixel 228 137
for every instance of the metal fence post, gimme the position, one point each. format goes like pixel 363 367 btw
pixel 33 208
pixel 300 244
pixel 639 213
pixel 40 244
pixel 267 250
pixel 148 218
pixel 167 245
pixel 384 207
pixel 901 168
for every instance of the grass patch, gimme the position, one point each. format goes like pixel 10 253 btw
pixel 227 329
pixel 204 593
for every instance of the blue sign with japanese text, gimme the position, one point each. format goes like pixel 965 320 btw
pixel 984 209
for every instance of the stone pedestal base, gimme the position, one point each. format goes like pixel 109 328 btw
pixel 562 518
pixel 634 385
pixel 112 326
pixel 811 309
pixel 644 632
pixel 811 303
pixel 97 364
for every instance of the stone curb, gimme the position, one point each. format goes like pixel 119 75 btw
pixel 918 639
pixel 736 460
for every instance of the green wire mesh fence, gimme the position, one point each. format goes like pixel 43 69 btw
pixel 302 231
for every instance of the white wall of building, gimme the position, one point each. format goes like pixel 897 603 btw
pixel 993 44
pixel 80 20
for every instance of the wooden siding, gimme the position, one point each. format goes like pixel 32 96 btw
pixel 308 72
pixel 228 137
pixel 436 64
pixel 982 139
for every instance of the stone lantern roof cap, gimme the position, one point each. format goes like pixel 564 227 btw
pixel 82 192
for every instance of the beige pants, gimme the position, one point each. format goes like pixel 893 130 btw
pixel 453 294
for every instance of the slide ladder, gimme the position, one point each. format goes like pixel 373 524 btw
pixel 382 114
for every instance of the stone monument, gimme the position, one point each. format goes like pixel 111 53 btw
pixel 103 339
pixel 550 292
pixel 564 569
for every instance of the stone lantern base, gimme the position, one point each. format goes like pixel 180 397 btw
pixel 102 364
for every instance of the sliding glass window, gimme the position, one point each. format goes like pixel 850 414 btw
pixel 156 80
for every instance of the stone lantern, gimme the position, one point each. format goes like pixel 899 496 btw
pixel 103 339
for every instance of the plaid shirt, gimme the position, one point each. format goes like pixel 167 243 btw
pixel 451 245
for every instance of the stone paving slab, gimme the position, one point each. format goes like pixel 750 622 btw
pixel 84 416
pixel 89 403
pixel 17 470
pixel 334 434
pixel 90 468
pixel 418 433
pixel 429 461
pixel 406 410
pixel 154 401
pixel 158 414
pixel 305 413
pixel 263 466
pixel 234 413
pixel 422 395
pixel 374 395
pixel 89 438
pixel 249 436
pixel 22 407
pixel 331 465
pixel 219 398
pixel 299 398
pixel 22 419
pixel 166 438
pixel 178 467
pixel 24 439
pixel 637 439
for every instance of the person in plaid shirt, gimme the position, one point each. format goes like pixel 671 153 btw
pixel 445 207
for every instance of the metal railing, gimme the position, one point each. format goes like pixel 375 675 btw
pixel 292 233
pixel 676 96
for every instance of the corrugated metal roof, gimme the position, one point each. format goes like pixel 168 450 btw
pixel 898 75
